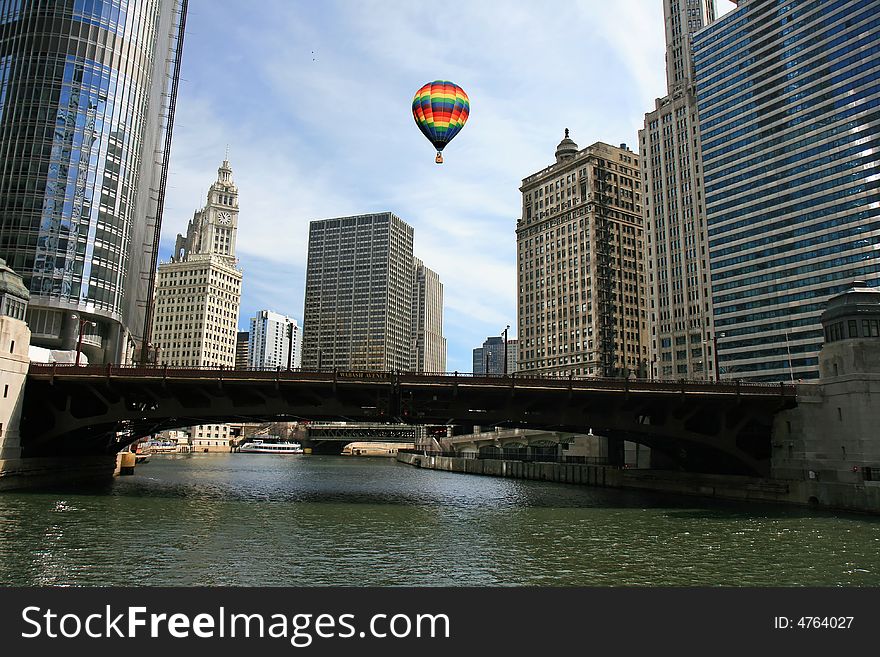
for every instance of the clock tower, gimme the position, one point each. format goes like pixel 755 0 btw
pixel 222 213
pixel 198 296
pixel 212 229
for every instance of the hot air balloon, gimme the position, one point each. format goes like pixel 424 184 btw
pixel 440 109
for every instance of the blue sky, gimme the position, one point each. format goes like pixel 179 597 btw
pixel 313 100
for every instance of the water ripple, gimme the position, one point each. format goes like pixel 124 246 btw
pixel 260 520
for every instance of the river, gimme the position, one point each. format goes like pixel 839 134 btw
pixel 257 520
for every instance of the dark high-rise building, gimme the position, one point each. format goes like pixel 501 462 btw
pixel 87 91
pixel 242 350
pixel 370 305
pixel 489 359
pixel 358 298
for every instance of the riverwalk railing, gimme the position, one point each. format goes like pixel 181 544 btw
pixel 524 458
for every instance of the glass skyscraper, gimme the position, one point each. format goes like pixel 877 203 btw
pixel 85 98
pixel 788 94
pixel 489 359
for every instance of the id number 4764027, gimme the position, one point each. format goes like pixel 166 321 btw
pixel 813 622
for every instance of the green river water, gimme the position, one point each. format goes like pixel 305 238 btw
pixel 255 520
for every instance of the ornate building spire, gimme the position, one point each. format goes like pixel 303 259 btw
pixel 213 229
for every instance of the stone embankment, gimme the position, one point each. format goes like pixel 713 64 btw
pixel 850 497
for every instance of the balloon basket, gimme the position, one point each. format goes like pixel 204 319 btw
pixel 439 158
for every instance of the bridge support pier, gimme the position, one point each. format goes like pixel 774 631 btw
pixel 616 452
pixel 21 473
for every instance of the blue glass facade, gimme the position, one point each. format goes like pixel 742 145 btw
pixel 81 118
pixel 788 93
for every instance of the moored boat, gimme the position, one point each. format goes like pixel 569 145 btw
pixel 264 447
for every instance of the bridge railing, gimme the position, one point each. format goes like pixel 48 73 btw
pixel 512 380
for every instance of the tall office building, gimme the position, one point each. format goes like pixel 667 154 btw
pixel 580 247
pixel 427 329
pixel 362 288
pixel 198 293
pixel 87 92
pixel 275 341
pixel 489 359
pixel 242 350
pixel 675 216
pixel 788 100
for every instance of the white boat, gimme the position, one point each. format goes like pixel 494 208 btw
pixel 261 447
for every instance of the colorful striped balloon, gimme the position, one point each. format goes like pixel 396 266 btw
pixel 440 109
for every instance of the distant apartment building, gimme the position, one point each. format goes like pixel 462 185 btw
pixel 275 341
pixel 489 359
pixel 362 287
pixel 682 345
pixel 582 293
pixel 210 438
pixel 788 117
pixel 198 294
pixel 427 317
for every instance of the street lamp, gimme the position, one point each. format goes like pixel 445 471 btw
pixel 488 355
pixel 505 350
pixel 788 349
pixel 289 345
pixel 717 366
pixel 82 322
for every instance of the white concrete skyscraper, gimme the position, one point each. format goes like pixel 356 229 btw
pixel 682 344
pixel 428 340
pixel 272 340
pixel 198 292
pixel 198 295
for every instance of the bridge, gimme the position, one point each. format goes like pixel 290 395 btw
pixel 331 437
pixel 701 427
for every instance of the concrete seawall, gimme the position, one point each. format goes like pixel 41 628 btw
pixel 849 497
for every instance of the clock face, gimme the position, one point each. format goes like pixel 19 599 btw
pixel 224 218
